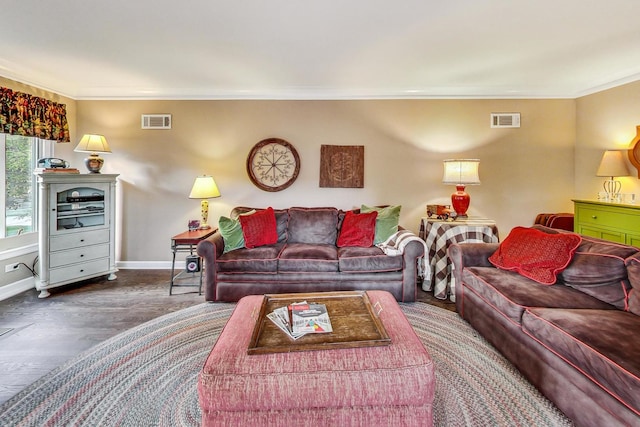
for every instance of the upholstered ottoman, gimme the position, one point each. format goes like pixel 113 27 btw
pixel 366 386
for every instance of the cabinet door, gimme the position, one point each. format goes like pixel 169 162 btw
pixel 600 233
pixel 633 240
pixel 79 206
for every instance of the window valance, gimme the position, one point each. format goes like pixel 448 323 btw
pixel 28 115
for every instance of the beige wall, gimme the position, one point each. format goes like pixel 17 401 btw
pixel 523 171
pixel 605 121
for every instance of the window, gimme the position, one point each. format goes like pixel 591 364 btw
pixel 18 202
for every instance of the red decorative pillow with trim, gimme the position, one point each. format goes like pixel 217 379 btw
pixel 535 254
pixel 357 229
pixel 259 229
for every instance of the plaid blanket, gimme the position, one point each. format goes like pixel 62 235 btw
pixel 395 244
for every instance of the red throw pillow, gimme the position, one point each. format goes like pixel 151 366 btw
pixel 358 229
pixel 259 229
pixel 536 254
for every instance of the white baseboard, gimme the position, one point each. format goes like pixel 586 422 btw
pixel 149 265
pixel 15 288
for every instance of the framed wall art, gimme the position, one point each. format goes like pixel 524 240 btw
pixel 342 166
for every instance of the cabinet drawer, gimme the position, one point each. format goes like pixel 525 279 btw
pixel 613 217
pixel 75 240
pixel 82 254
pixel 78 271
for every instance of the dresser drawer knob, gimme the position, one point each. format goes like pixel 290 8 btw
pixel 594 216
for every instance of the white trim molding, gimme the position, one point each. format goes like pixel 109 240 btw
pixel 149 265
pixel 16 288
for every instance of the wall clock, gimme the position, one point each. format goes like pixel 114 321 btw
pixel 273 164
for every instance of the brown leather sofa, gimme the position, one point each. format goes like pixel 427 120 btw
pixel 306 259
pixel 576 340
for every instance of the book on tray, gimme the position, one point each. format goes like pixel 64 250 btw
pixel 301 318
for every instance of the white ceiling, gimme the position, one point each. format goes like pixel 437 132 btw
pixel 323 49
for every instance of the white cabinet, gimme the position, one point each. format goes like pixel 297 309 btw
pixel 76 228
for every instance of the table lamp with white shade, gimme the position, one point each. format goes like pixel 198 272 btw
pixel 204 187
pixel 93 144
pixel 461 172
pixel 612 165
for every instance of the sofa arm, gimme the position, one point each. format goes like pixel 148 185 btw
pixel 413 251
pixel 210 249
pixel 469 255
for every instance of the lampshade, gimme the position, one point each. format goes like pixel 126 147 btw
pixel 461 171
pixel 612 164
pixel 204 187
pixel 93 144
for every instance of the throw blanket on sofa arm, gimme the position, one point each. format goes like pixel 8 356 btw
pixel 395 244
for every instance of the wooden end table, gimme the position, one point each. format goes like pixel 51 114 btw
pixel 187 242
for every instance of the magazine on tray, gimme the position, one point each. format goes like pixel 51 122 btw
pixel 299 319
pixel 310 318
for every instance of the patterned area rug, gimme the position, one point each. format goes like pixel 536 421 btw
pixel 148 376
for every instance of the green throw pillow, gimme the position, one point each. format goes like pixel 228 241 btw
pixel 231 231
pixel 386 222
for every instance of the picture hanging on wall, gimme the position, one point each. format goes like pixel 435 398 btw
pixel 342 166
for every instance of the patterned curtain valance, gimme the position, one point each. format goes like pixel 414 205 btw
pixel 28 115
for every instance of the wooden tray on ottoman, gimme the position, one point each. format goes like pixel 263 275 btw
pixel 354 320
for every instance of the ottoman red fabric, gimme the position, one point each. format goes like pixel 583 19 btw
pixel 387 385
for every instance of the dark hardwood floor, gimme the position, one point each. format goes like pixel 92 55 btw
pixel 37 335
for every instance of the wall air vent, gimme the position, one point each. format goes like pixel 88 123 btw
pixel 156 121
pixel 505 120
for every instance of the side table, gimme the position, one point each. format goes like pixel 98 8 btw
pixel 187 242
pixel 439 235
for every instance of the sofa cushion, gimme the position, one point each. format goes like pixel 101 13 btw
pixel 263 259
pixel 357 229
pixel 633 271
pixel 307 258
pixel 387 221
pixel 511 294
pixel 597 343
pixel 313 225
pixel 371 260
pixel 634 302
pixel 231 231
pixel 282 219
pixel 535 254
pixel 259 228
pixel 598 269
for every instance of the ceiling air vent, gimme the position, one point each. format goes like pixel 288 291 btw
pixel 505 120
pixel 156 121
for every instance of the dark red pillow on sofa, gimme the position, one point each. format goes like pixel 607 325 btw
pixel 536 254
pixel 357 229
pixel 259 229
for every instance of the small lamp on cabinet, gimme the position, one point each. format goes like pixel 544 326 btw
pixel 204 187
pixel 612 165
pixel 461 172
pixel 93 144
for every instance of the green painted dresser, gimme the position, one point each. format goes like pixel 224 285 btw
pixel 610 221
